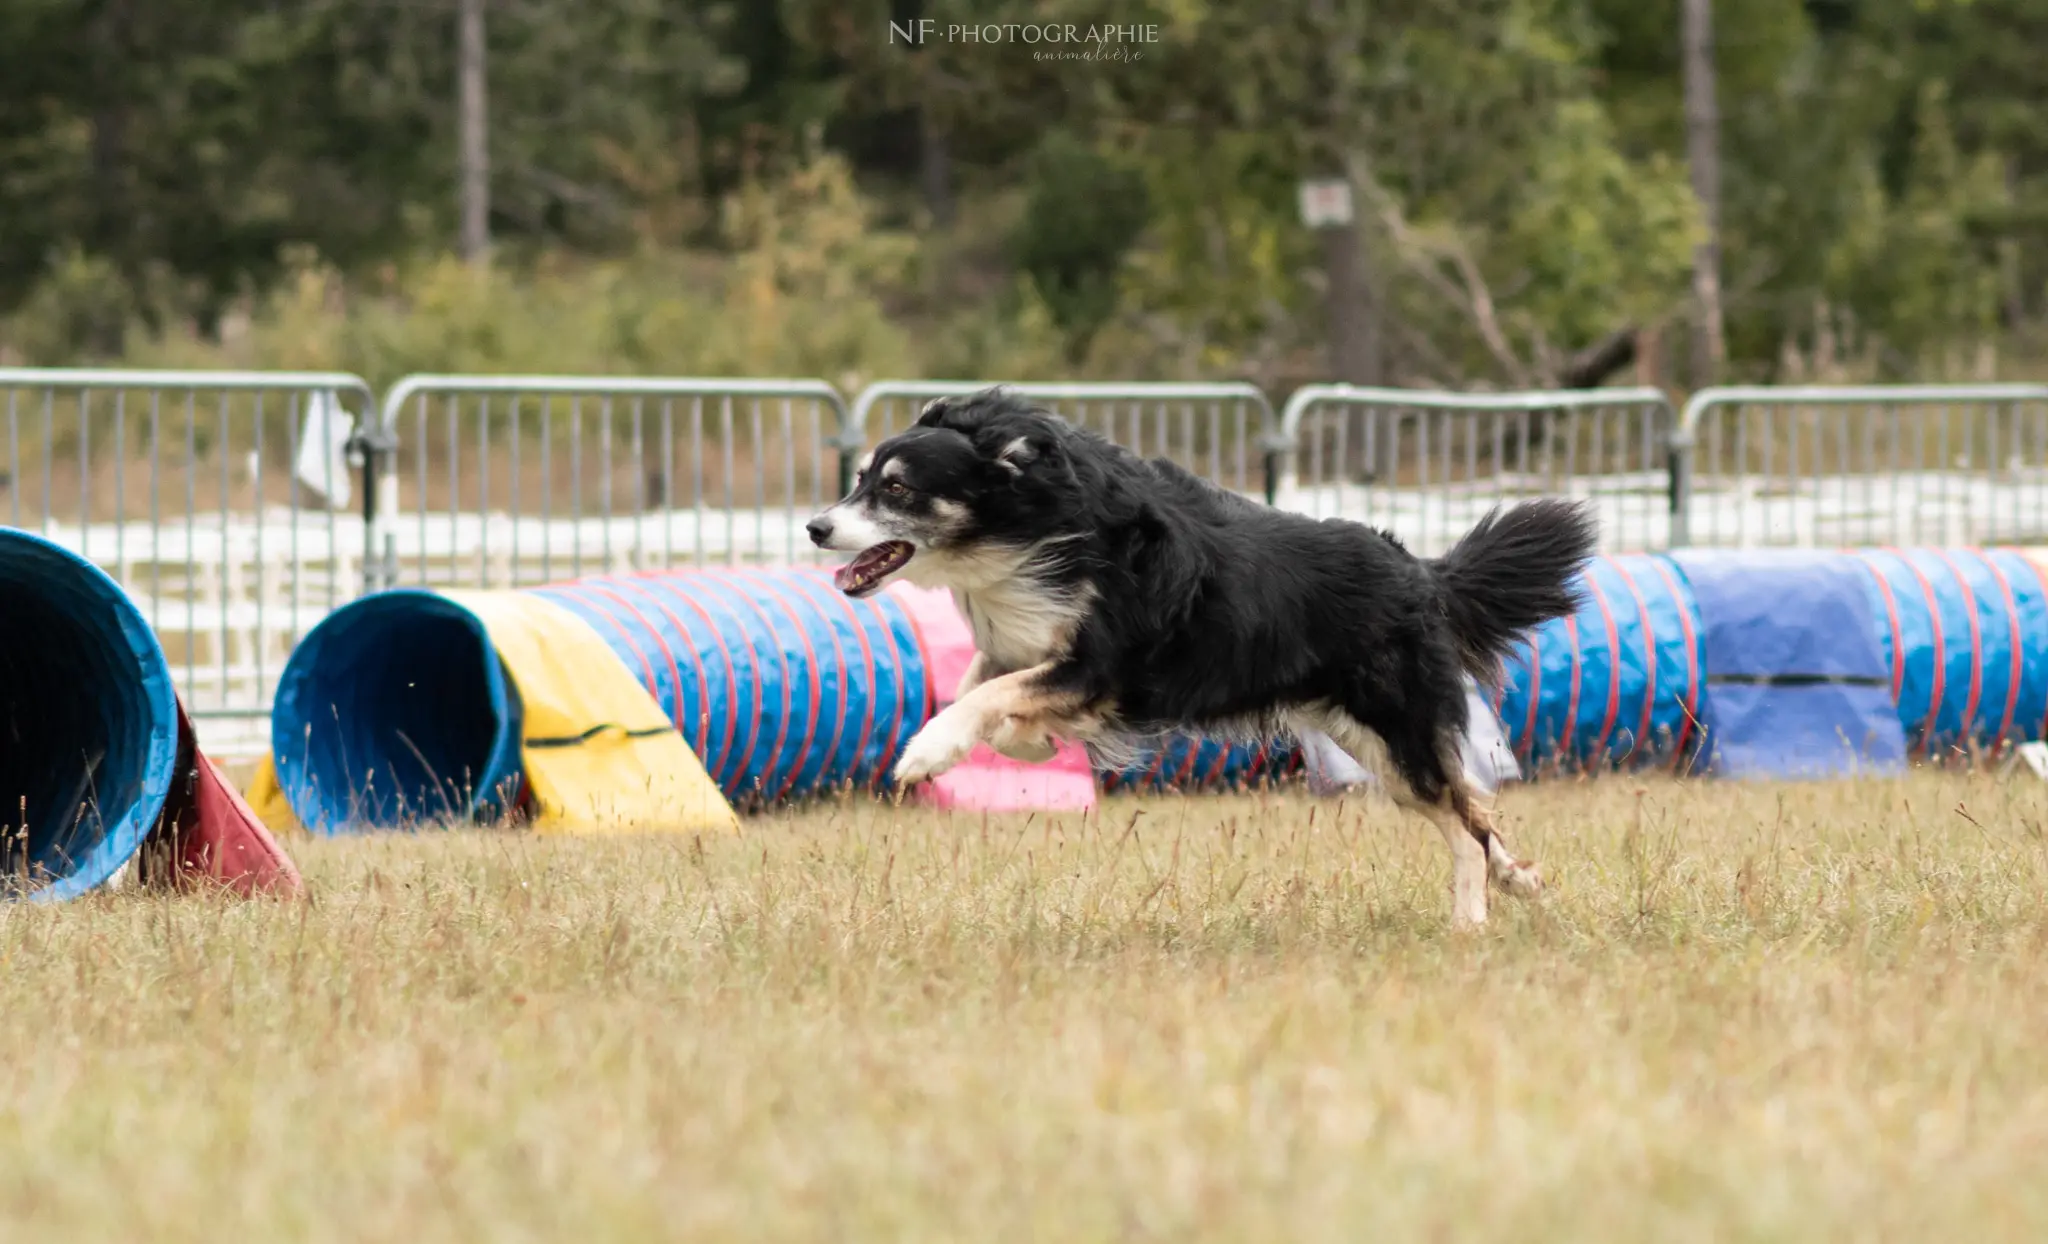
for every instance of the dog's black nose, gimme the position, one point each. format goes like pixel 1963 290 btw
pixel 820 529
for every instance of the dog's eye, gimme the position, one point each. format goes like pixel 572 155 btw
pixel 895 488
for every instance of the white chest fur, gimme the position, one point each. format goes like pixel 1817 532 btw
pixel 1019 623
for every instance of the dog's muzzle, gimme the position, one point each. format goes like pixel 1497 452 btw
pixel 878 557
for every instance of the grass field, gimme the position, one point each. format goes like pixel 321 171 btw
pixel 1801 1012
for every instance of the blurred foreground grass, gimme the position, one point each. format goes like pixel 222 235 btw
pixel 1742 1012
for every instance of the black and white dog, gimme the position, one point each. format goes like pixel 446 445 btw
pixel 1114 598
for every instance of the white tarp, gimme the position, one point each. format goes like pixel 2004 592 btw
pixel 322 463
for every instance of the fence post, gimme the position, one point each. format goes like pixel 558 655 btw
pixel 370 450
pixel 1277 445
pixel 851 439
pixel 1679 465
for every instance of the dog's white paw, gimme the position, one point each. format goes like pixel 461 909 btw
pixel 1521 878
pixel 935 749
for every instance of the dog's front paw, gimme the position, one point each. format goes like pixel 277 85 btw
pixel 935 749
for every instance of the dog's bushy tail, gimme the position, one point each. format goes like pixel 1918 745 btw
pixel 1511 572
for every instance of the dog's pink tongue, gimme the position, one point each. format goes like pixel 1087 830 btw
pixel 856 573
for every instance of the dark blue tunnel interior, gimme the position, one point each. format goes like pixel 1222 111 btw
pixel 88 722
pixel 395 711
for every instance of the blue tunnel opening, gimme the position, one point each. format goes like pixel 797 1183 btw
pixel 394 712
pixel 88 723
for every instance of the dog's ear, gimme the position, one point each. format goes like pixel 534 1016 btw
pixel 1008 434
pixel 1017 452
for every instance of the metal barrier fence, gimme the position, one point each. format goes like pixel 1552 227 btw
pixel 498 481
pixel 221 501
pixel 239 507
pixel 1426 465
pixel 1221 432
pixel 1882 464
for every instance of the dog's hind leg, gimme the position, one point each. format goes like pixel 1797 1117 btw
pixel 1425 775
pixel 1468 864
pixel 1420 783
pixel 1520 878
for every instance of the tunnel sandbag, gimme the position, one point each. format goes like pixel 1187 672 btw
pixel 1964 637
pixel 1618 683
pixel 1797 676
pixel 395 711
pixel 88 722
pixel 208 834
pixel 597 753
pixel 781 684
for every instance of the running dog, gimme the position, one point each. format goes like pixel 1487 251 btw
pixel 1114 599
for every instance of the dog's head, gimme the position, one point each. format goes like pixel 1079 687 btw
pixel 975 484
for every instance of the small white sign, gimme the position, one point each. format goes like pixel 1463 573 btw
pixel 2036 756
pixel 1326 203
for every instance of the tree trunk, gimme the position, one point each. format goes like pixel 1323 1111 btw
pixel 935 167
pixel 473 122
pixel 2011 275
pixel 112 223
pixel 1703 154
pixel 1351 310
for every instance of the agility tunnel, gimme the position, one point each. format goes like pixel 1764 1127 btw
pixel 1796 673
pixel 759 685
pixel 1962 639
pixel 1784 663
pixel 733 687
pixel 1618 683
pixel 414 707
pixel 99 764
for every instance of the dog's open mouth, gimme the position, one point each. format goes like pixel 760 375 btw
pixel 865 573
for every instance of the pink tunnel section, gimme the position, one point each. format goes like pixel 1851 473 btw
pixel 986 781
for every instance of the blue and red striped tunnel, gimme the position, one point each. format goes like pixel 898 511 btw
pixel 394 708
